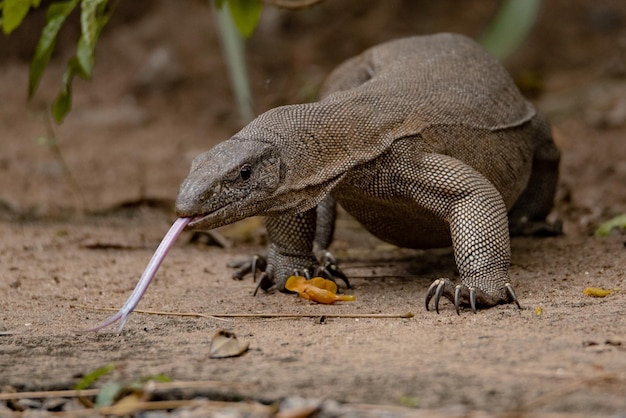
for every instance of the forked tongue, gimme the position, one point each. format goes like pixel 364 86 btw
pixel 147 276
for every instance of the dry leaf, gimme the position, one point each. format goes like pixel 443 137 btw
pixel 225 344
pixel 125 406
pixel 304 412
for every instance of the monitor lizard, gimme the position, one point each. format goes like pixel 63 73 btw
pixel 425 140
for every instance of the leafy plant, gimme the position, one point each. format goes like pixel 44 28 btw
pixel 94 15
pixel 233 23
pixel 245 14
pixel 511 25
pixel 91 377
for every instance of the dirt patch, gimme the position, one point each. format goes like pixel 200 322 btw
pixel 129 141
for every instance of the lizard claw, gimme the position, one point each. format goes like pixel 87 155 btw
pixel 472 299
pixel 329 269
pixel 464 295
pixel 512 294
pixel 259 263
pixel 265 282
pixel 435 290
pixel 458 296
pixel 306 273
pixel 457 299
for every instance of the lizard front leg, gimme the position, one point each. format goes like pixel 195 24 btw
pixel 295 249
pixel 291 245
pixel 401 196
pixel 478 223
pixel 290 251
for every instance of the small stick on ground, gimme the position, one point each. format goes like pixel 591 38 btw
pixel 220 317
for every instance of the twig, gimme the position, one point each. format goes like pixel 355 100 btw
pixel 49 394
pixel 208 405
pixel 93 392
pixel 219 316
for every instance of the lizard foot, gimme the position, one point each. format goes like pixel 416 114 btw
pixel 247 266
pixel 327 268
pixel 254 265
pixel 462 295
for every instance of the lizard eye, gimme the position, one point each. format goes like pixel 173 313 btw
pixel 245 172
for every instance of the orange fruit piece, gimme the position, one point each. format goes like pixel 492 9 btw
pixel 317 289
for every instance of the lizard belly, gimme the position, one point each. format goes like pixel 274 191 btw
pixel 376 194
pixel 397 221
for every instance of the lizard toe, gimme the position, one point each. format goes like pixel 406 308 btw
pixel 257 266
pixel 440 287
pixel 329 269
pixel 265 282
pixel 257 263
pixel 512 295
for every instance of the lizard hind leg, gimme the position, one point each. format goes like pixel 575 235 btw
pixel 256 264
pixel 528 215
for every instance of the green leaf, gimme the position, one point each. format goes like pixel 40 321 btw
pixel 604 230
pixel 13 13
pixel 94 375
pixel 509 28
pixel 84 58
pixel 89 24
pixel 56 15
pixel 93 18
pixel 246 14
pixel 63 103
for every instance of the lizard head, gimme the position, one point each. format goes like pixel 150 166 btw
pixel 234 180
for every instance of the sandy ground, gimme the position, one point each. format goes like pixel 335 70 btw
pixel 68 248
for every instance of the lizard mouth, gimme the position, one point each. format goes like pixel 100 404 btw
pixel 197 220
pixel 206 219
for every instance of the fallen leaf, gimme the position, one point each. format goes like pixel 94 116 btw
pixel 410 401
pixel 125 406
pixel 304 412
pixel 225 344
pixel 12 403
